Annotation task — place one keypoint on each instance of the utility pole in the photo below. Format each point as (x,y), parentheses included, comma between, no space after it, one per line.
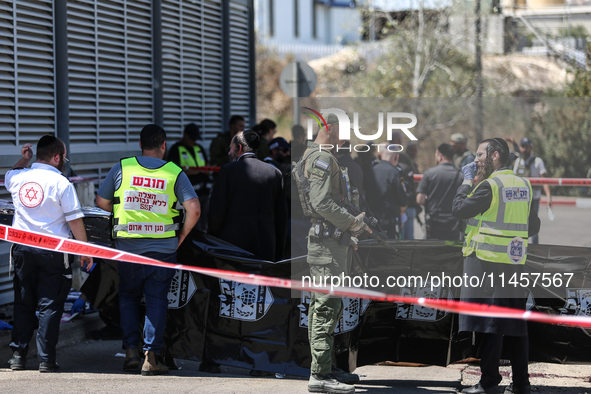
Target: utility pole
(478,67)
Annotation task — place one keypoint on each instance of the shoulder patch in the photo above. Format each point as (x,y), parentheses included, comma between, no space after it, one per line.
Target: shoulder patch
(321,164)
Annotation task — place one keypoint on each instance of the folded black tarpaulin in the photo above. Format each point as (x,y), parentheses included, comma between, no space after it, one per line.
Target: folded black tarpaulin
(265,329)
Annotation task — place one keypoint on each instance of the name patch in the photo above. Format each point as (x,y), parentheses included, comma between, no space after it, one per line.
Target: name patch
(145,228)
(134,200)
(148,182)
(515,194)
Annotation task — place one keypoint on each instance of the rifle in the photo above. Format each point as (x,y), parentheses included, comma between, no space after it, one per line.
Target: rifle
(377,233)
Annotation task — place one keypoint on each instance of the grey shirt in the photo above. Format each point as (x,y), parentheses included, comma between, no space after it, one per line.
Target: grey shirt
(182,189)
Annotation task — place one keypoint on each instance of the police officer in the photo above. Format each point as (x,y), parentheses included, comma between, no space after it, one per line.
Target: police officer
(322,186)
(142,193)
(499,218)
(189,153)
(44,201)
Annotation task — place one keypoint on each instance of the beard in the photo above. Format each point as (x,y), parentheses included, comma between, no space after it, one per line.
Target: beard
(60,165)
(486,170)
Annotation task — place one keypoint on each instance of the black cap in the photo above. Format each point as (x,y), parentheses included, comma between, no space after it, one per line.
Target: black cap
(525,142)
(193,131)
(278,142)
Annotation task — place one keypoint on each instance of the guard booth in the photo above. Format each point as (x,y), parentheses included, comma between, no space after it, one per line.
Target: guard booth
(94,72)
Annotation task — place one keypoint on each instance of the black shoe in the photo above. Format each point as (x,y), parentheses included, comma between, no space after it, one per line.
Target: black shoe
(170,363)
(260,374)
(478,389)
(17,362)
(210,367)
(48,367)
(518,390)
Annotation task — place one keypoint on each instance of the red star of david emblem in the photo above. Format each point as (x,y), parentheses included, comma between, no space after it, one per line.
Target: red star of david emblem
(31,194)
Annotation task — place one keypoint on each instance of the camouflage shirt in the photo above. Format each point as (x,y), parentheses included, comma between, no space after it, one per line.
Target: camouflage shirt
(328,186)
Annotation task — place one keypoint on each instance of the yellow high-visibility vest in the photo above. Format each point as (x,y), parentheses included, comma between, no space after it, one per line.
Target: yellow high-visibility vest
(500,234)
(143,206)
(186,160)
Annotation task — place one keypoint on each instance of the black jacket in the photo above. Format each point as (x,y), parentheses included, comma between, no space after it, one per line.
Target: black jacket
(248,208)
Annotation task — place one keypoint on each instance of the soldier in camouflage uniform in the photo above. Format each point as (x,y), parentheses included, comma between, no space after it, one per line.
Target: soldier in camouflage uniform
(323,186)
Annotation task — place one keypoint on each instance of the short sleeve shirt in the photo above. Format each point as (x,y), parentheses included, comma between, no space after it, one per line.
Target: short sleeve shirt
(44,200)
(537,170)
(435,183)
(182,189)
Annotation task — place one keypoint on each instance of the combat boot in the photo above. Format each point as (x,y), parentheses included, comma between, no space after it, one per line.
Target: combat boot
(344,377)
(132,359)
(152,366)
(328,384)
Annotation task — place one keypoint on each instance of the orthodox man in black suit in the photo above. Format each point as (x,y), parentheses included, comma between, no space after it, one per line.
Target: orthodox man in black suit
(247,206)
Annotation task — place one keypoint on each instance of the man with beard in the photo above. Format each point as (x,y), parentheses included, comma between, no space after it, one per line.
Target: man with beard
(322,185)
(500,218)
(46,202)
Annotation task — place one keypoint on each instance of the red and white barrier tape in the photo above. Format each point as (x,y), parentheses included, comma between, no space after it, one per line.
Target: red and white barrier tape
(544,181)
(59,244)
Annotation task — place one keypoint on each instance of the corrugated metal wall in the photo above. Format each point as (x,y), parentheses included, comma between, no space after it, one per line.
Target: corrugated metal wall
(111,76)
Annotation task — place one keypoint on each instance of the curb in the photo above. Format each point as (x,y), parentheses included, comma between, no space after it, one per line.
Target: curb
(70,333)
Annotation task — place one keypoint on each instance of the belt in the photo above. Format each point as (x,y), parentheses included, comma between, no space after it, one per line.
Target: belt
(324,229)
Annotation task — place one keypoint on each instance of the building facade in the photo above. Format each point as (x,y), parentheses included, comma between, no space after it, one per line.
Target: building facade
(94,72)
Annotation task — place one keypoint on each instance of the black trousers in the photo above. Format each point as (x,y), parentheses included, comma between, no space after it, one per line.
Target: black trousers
(42,281)
(492,345)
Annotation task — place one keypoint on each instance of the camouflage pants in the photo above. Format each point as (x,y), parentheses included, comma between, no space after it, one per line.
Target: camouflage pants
(326,259)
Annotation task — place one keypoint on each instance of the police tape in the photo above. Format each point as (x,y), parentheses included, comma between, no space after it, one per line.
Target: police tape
(65,245)
(542,181)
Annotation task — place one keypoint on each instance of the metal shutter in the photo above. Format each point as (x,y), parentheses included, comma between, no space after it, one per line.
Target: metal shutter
(192,66)
(212,69)
(27,82)
(239,61)
(110,72)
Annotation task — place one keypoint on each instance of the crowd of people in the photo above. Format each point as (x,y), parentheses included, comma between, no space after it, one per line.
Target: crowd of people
(157,198)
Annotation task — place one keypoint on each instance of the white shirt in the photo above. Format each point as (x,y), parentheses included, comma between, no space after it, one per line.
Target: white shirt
(537,170)
(44,200)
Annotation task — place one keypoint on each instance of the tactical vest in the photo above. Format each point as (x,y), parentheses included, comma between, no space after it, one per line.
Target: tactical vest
(500,234)
(523,168)
(187,160)
(341,185)
(143,206)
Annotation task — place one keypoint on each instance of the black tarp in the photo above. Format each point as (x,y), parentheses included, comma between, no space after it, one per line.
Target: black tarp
(265,329)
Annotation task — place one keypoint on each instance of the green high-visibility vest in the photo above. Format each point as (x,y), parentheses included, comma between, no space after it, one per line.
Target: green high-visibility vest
(187,160)
(500,234)
(143,206)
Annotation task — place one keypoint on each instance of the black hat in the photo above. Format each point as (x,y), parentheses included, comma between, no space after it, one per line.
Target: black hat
(278,142)
(193,131)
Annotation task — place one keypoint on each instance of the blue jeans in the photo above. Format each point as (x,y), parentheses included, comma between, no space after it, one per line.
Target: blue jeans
(536,207)
(135,281)
(408,229)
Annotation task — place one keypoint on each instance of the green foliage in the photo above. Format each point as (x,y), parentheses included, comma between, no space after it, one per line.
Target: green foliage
(391,75)
(573,31)
(562,137)
(581,84)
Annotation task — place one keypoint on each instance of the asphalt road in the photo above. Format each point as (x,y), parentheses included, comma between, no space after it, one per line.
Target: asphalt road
(92,367)
(570,227)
